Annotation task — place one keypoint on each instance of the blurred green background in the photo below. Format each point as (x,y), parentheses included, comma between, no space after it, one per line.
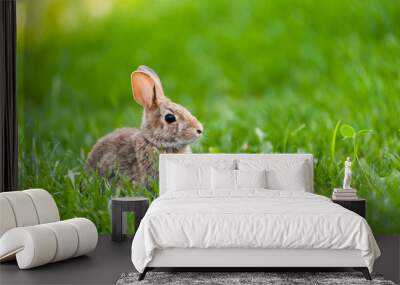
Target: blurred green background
(320,77)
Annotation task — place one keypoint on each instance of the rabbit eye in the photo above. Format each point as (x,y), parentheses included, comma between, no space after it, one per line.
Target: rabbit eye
(170,118)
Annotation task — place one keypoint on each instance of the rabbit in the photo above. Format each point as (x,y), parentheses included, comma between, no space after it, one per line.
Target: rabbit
(166,128)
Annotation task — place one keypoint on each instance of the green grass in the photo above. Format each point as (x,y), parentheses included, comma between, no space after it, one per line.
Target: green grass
(262,76)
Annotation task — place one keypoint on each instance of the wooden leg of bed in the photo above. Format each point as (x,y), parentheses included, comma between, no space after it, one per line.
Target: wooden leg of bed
(364,271)
(143,274)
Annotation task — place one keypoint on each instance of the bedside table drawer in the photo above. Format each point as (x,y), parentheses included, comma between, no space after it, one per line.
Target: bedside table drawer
(357,206)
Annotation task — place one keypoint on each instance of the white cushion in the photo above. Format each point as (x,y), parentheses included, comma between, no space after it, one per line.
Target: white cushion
(223,179)
(23,208)
(45,206)
(226,180)
(32,246)
(292,179)
(26,208)
(251,178)
(7,220)
(87,233)
(31,232)
(67,240)
(283,174)
(40,244)
(184,178)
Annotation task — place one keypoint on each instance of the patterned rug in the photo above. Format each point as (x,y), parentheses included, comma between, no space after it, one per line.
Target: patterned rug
(231,278)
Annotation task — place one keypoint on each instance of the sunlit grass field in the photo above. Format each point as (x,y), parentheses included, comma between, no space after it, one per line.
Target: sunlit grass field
(319,77)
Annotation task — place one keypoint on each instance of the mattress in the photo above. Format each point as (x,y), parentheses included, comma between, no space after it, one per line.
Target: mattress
(250,219)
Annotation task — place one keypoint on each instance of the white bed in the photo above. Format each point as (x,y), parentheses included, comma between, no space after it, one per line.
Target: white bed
(282,224)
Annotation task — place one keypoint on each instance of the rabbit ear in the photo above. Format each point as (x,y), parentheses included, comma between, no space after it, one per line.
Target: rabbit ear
(146,88)
(151,73)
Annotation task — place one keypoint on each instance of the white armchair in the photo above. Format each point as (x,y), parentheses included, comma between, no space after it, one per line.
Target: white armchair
(31,230)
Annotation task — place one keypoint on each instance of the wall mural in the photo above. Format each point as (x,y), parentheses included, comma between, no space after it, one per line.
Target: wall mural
(260,76)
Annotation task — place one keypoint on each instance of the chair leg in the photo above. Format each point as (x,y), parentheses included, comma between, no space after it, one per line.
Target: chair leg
(364,271)
(143,274)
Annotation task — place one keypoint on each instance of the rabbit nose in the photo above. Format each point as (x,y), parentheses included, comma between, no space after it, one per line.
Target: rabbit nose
(199,131)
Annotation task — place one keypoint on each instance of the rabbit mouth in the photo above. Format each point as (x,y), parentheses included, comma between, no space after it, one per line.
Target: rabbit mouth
(165,141)
(192,140)
(179,142)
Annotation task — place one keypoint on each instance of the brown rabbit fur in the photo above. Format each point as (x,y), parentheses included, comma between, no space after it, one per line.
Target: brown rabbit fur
(166,128)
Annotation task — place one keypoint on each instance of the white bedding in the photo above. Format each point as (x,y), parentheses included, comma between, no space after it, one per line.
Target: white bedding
(250,219)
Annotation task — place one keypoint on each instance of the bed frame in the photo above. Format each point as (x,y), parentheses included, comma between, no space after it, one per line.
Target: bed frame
(249,259)
(246,259)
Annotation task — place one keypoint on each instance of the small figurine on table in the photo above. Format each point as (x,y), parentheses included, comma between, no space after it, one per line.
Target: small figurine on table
(347,174)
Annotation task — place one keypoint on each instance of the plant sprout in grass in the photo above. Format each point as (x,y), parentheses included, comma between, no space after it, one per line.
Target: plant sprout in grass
(354,136)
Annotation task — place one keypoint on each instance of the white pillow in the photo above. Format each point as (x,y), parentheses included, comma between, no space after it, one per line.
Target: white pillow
(251,178)
(291,179)
(230,180)
(184,178)
(282,174)
(223,179)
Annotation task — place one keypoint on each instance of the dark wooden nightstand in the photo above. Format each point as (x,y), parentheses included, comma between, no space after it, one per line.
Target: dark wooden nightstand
(358,205)
(120,206)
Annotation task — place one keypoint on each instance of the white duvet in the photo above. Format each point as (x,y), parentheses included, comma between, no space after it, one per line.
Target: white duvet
(250,219)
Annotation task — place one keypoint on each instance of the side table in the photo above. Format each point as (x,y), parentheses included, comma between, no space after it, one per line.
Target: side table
(120,206)
(356,205)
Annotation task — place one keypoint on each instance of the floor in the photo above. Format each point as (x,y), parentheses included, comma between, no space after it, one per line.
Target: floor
(103,266)
(389,262)
(110,260)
